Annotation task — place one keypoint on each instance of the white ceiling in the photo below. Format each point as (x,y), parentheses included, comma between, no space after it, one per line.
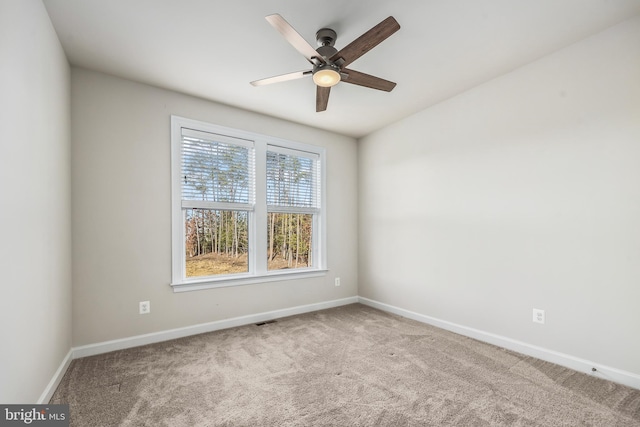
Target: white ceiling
(213,48)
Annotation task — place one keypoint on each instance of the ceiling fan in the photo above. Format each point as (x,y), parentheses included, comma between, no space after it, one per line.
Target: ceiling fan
(329,64)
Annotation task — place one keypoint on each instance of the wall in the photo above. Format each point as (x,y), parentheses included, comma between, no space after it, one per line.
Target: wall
(35,226)
(122,213)
(520,193)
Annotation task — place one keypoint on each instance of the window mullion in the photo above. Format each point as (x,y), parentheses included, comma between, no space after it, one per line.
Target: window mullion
(203,204)
(259,241)
(292,209)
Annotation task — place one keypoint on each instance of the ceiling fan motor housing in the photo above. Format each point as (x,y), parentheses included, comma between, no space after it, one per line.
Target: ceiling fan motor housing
(326,51)
(326,38)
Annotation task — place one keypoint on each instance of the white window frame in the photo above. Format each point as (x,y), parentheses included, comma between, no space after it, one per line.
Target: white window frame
(258,272)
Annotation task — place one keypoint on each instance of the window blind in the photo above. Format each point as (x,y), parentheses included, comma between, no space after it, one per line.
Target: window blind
(292,179)
(216,168)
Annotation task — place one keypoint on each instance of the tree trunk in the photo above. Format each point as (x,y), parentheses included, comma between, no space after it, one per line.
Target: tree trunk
(235,234)
(273,230)
(297,238)
(197,235)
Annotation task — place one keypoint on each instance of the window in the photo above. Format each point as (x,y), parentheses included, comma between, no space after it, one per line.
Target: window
(292,203)
(246,208)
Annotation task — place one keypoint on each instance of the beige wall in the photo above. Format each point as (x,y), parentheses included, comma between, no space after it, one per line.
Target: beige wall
(523,192)
(122,213)
(35,226)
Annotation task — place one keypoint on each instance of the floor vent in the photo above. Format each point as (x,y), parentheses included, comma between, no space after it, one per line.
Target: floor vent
(266,323)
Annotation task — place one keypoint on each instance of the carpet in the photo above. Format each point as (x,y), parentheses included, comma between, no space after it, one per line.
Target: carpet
(346,366)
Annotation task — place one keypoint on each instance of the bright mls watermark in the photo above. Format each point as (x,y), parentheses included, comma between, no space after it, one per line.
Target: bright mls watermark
(34,415)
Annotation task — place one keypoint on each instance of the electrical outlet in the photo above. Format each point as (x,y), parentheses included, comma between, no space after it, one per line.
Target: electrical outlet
(337,281)
(145,307)
(538,316)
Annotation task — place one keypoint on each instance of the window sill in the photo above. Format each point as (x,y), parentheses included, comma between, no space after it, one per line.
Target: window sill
(241,280)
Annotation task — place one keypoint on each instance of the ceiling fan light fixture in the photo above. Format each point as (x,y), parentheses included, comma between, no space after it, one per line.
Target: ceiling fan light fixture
(326,76)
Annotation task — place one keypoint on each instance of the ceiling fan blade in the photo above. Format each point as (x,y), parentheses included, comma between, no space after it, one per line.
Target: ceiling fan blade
(281,78)
(322,98)
(294,38)
(362,79)
(366,42)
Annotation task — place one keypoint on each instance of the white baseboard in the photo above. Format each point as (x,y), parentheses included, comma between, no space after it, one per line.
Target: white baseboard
(55,381)
(136,341)
(581,365)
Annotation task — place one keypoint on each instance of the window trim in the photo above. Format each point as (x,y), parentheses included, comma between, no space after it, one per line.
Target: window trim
(257,212)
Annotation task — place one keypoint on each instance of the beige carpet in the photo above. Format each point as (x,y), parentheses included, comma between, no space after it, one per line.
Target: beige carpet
(348,366)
